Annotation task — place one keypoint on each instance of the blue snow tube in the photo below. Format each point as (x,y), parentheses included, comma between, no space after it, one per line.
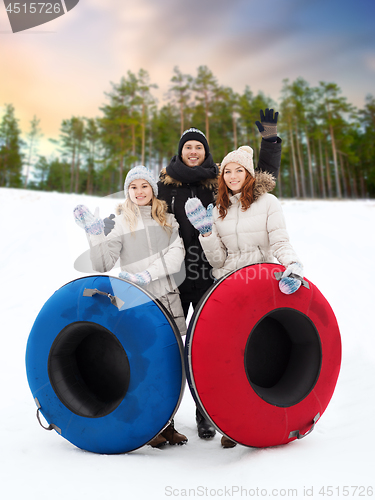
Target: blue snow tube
(104,363)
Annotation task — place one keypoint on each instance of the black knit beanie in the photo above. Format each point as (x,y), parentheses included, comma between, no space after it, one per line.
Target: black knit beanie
(193,134)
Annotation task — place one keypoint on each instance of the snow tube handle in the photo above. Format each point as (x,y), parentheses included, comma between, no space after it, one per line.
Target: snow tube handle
(298,435)
(51,426)
(89,292)
(305,283)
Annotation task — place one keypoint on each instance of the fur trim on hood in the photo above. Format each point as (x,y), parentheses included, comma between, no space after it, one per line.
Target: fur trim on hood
(264,183)
(168,180)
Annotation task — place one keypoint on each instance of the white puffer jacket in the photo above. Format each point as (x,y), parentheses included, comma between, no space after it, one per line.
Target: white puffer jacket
(249,237)
(149,248)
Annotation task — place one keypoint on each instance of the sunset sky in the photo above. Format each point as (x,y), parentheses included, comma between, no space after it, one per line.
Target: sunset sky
(64,67)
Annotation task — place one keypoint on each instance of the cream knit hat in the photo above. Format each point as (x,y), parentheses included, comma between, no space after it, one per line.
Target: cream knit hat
(140,172)
(243,156)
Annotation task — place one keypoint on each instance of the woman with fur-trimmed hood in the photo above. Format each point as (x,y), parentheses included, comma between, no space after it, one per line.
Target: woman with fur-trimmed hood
(246,226)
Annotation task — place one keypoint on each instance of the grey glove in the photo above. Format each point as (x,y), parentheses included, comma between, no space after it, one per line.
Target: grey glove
(268,125)
(109,224)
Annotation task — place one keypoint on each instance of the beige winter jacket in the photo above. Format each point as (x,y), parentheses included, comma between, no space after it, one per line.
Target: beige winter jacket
(248,237)
(149,248)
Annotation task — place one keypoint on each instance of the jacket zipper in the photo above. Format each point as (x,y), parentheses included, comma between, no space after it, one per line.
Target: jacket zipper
(238,246)
(174,192)
(261,253)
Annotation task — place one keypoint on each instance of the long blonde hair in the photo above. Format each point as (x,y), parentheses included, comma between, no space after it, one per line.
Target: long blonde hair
(131,213)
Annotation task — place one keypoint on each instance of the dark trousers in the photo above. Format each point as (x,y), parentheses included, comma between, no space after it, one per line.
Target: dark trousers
(186,305)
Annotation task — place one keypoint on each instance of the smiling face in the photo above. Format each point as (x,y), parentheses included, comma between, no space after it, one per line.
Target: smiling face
(234,176)
(140,192)
(193,153)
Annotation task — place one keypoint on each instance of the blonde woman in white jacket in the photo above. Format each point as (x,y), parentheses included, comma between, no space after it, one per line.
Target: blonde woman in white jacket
(146,240)
(247,225)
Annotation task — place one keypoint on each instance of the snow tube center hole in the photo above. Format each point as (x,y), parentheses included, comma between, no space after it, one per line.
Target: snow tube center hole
(283,357)
(88,369)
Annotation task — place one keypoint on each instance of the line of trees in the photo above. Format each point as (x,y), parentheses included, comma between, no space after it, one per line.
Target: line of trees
(328,144)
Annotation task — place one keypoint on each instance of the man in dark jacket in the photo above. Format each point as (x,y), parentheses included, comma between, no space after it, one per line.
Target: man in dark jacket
(193,173)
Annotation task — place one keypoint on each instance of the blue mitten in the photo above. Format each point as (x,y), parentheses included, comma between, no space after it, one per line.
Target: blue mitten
(143,278)
(89,222)
(291,278)
(198,216)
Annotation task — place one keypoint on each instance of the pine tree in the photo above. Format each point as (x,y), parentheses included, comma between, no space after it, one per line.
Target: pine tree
(72,139)
(33,136)
(166,132)
(206,88)
(332,107)
(92,137)
(10,149)
(302,95)
(41,173)
(223,123)
(288,112)
(146,101)
(248,115)
(181,92)
(364,144)
(121,116)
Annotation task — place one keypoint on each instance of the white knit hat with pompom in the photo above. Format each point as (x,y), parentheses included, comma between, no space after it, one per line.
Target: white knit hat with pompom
(243,156)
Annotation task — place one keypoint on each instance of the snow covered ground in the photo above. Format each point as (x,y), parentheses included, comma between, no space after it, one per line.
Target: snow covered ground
(39,244)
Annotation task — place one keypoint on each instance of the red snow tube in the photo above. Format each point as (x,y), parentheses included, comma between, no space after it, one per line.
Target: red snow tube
(261,365)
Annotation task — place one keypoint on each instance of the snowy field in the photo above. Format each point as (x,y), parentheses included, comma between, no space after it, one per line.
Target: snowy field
(336,243)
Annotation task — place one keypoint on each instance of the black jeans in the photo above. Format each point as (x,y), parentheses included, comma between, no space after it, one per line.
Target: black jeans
(186,305)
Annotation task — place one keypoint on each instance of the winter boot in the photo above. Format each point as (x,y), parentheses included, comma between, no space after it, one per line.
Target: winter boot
(158,441)
(227,443)
(172,436)
(205,429)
